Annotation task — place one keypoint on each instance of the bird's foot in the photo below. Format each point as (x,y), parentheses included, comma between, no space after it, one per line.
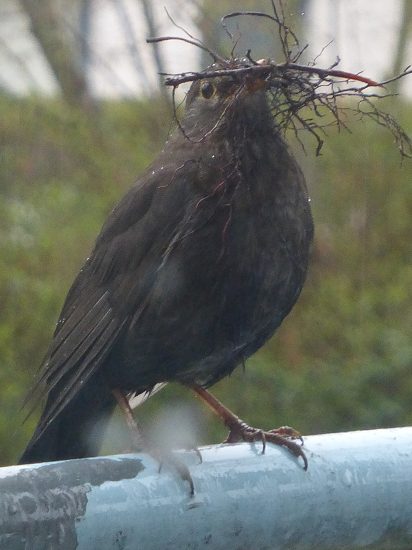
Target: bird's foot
(166,457)
(140,444)
(284,437)
(239,431)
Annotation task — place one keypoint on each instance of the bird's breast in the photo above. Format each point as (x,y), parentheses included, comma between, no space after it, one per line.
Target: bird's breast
(232,270)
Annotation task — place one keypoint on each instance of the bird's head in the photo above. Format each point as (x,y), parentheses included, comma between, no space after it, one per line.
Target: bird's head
(216,101)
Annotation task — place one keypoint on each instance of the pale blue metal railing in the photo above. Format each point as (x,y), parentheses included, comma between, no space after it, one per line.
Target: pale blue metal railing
(357,493)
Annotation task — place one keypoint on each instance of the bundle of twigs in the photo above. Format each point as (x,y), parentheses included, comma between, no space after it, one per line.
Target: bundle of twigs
(299,94)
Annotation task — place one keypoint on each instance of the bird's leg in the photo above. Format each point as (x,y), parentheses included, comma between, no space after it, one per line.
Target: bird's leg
(239,431)
(135,431)
(139,442)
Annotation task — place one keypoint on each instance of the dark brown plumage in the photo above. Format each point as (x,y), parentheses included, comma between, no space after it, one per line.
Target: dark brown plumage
(193,271)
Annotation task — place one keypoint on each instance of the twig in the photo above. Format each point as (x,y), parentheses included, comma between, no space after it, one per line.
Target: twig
(215,56)
(295,88)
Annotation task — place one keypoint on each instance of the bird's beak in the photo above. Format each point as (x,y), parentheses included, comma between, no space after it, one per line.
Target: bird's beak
(258,83)
(255,85)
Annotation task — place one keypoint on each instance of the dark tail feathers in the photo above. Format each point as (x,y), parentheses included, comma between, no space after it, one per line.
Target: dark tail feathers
(77,431)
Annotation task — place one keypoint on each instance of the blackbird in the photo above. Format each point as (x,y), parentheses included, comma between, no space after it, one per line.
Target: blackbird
(193,271)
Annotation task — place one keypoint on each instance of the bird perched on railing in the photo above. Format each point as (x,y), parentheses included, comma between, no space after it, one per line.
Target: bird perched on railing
(193,271)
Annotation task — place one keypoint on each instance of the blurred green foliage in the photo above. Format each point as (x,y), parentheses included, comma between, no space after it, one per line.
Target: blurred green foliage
(342,360)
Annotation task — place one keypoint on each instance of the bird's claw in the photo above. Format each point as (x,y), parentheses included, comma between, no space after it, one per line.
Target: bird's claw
(287,431)
(198,453)
(283,436)
(165,457)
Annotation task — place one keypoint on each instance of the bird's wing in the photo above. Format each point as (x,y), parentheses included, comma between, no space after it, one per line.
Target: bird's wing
(76,352)
(111,288)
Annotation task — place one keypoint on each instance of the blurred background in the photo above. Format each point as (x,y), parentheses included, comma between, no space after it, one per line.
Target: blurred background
(83,111)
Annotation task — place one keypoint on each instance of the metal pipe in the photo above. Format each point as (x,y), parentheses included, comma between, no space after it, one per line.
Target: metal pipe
(357,493)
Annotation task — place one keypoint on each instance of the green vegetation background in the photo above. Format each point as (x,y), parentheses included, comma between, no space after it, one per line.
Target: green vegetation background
(341,361)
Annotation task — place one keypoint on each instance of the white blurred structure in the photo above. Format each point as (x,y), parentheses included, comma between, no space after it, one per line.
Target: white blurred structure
(362,34)
(23,67)
(119,63)
(114,66)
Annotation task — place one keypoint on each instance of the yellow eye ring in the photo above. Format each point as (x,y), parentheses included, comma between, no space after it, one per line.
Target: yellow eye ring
(207,89)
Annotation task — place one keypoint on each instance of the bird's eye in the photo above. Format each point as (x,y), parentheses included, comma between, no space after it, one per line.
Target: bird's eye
(207,90)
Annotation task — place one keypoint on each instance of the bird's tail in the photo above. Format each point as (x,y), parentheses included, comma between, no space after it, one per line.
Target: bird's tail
(77,430)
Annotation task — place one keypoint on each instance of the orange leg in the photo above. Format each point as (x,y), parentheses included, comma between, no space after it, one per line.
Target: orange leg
(239,431)
(139,442)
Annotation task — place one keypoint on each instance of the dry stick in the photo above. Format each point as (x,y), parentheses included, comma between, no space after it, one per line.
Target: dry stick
(298,91)
(215,56)
(281,26)
(260,68)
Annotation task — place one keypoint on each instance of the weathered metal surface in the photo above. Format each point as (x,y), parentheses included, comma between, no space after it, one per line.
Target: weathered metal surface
(357,493)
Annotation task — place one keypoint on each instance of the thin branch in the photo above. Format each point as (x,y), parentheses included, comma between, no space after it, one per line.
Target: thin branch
(266,67)
(239,13)
(215,56)
(296,91)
